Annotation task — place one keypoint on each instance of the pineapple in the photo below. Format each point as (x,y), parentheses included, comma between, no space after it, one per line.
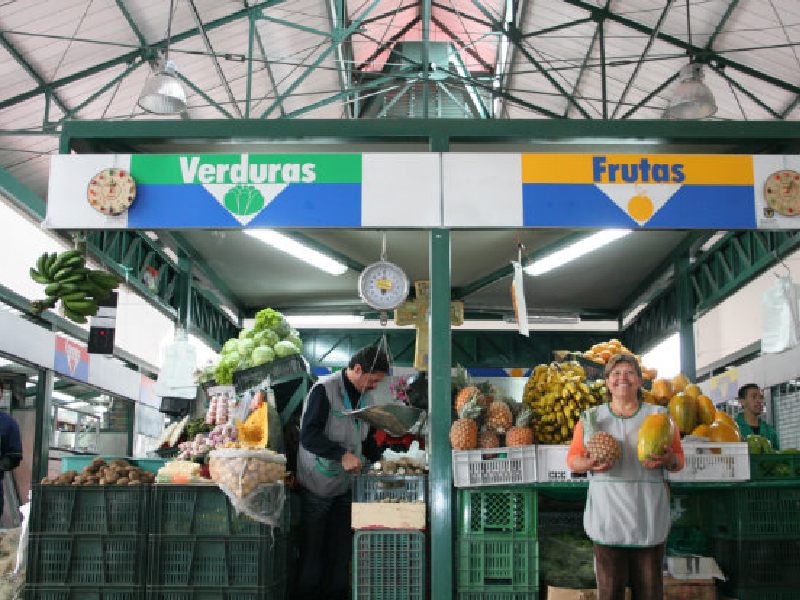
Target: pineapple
(488,439)
(488,391)
(601,445)
(498,417)
(464,432)
(466,394)
(521,434)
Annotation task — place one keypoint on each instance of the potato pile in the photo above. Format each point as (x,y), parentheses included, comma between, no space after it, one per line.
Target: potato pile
(401,466)
(98,472)
(240,471)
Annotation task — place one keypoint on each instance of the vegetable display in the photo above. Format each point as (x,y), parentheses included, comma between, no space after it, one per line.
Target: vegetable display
(271,338)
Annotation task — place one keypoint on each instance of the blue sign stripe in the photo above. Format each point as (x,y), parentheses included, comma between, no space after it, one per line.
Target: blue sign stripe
(708,207)
(313,205)
(570,205)
(177,205)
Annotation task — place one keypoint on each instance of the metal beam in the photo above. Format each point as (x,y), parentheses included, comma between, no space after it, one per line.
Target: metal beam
(745,91)
(338,37)
(22,196)
(268,67)
(464,16)
(336,18)
(33,73)
(584,67)
(129,56)
(644,53)
(516,38)
(555,28)
(383,47)
(426,37)
(462,44)
(205,96)
(207,42)
(108,85)
(603,91)
(721,24)
(131,23)
(701,53)
(651,95)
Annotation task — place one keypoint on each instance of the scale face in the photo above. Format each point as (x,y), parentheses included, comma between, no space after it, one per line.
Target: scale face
(383,285)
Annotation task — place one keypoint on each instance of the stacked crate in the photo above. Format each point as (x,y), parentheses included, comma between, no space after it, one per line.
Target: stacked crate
(389,563)
(87,542)
(497,552)
(200,549)
(756,541)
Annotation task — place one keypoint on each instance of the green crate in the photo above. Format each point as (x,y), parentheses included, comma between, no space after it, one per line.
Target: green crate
(527,595)
(76,560)
(497,563)
(96,509)
(217,561)
(389,564)
(757,513)
(78,462)
(774,467)
(762,594)
(759,564)
(35,592)
(199,510)
(275,592)
(497,510)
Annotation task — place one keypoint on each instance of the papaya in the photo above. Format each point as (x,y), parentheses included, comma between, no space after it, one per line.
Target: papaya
(683,410)
(701,431)
(679,383)
(662,389)
(721,417)
(648,397)
(720,432)
(705,410)
(693,390)
(655,434)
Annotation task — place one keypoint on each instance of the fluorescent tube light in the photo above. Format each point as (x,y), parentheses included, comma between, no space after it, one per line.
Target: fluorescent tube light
(299,321)
(298,250)
(546,319)
(79,404)
(576,250)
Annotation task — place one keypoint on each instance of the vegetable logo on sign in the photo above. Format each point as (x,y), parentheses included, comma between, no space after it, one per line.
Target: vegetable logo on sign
(243,200)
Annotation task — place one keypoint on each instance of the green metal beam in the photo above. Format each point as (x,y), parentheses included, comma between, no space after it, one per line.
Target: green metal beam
(337,37)
(461,15)
(650,96)
(251,35)
(425,13)
(462,44)
(721,24)
(43,427)
(390,13)
(268,67)
(129,56)
(745,91)
(103,89)
(205,96)
(603,88)
(686,317)
(584,67)
(131,23)
(336,19)
(700,53)
(384,46)
(704,133)
(555,28)
(463,291)
(644,53)
(28,68)
(515,36)
(22,196)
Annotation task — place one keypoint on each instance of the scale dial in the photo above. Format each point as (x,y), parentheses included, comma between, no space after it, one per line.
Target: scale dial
(111,191)
(383,285)
(782,192)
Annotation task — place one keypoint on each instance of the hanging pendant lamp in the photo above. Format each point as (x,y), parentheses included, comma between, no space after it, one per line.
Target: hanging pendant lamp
(163,92)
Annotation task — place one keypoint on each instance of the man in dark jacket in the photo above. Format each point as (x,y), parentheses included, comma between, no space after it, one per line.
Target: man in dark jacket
(10,448)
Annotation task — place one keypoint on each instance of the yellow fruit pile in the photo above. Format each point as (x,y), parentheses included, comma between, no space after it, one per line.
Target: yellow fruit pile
(602,353)
(557,393)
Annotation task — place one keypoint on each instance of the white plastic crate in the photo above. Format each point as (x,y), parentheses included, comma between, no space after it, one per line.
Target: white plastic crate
(551,465)
(714,461)
(494,466)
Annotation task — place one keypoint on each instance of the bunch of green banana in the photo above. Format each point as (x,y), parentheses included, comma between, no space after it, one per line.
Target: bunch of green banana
(68,279)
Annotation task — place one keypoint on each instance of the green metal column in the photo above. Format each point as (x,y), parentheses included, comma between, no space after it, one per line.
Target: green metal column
(185,293)
(131,412)
(683,286)
(441,471)
(41,441)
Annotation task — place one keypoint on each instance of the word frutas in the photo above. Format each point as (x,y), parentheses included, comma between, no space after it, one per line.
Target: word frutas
(643,172)
(243,172)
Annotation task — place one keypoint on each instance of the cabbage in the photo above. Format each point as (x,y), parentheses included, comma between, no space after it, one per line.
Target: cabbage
(231,345)
(230,359)
(267,319)
(246,347)
(266,338)
(247,333)
(285,348)
(261,355)
(295,339)
(282,328)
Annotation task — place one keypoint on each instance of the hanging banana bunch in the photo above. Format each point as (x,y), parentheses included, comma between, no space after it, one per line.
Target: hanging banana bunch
(69,280)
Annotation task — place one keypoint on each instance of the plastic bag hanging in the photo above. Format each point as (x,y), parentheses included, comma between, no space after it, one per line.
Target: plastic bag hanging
(176,379)
(779,316)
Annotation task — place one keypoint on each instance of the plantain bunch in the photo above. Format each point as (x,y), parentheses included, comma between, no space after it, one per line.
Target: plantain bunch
(70,281)
(557,393)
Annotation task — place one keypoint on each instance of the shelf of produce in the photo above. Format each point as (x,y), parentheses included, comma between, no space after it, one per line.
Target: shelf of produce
(775,467)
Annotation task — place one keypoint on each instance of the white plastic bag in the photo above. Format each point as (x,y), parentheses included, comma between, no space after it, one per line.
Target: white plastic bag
(22,547)
(779,316)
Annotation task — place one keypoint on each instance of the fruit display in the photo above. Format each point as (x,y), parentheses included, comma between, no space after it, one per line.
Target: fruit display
(464,432)
(98,472)
(402,466)
(240,467)
(521,434)
(683,410)
(758,444)
(201,445)
(601,445)
(70,281)
(557,393)
(655,434)
(602,353)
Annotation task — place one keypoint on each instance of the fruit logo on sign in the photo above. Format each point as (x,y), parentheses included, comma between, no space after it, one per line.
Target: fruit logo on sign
(73,356)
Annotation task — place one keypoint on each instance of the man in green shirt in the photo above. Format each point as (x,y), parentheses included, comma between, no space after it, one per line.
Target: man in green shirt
(749,420)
